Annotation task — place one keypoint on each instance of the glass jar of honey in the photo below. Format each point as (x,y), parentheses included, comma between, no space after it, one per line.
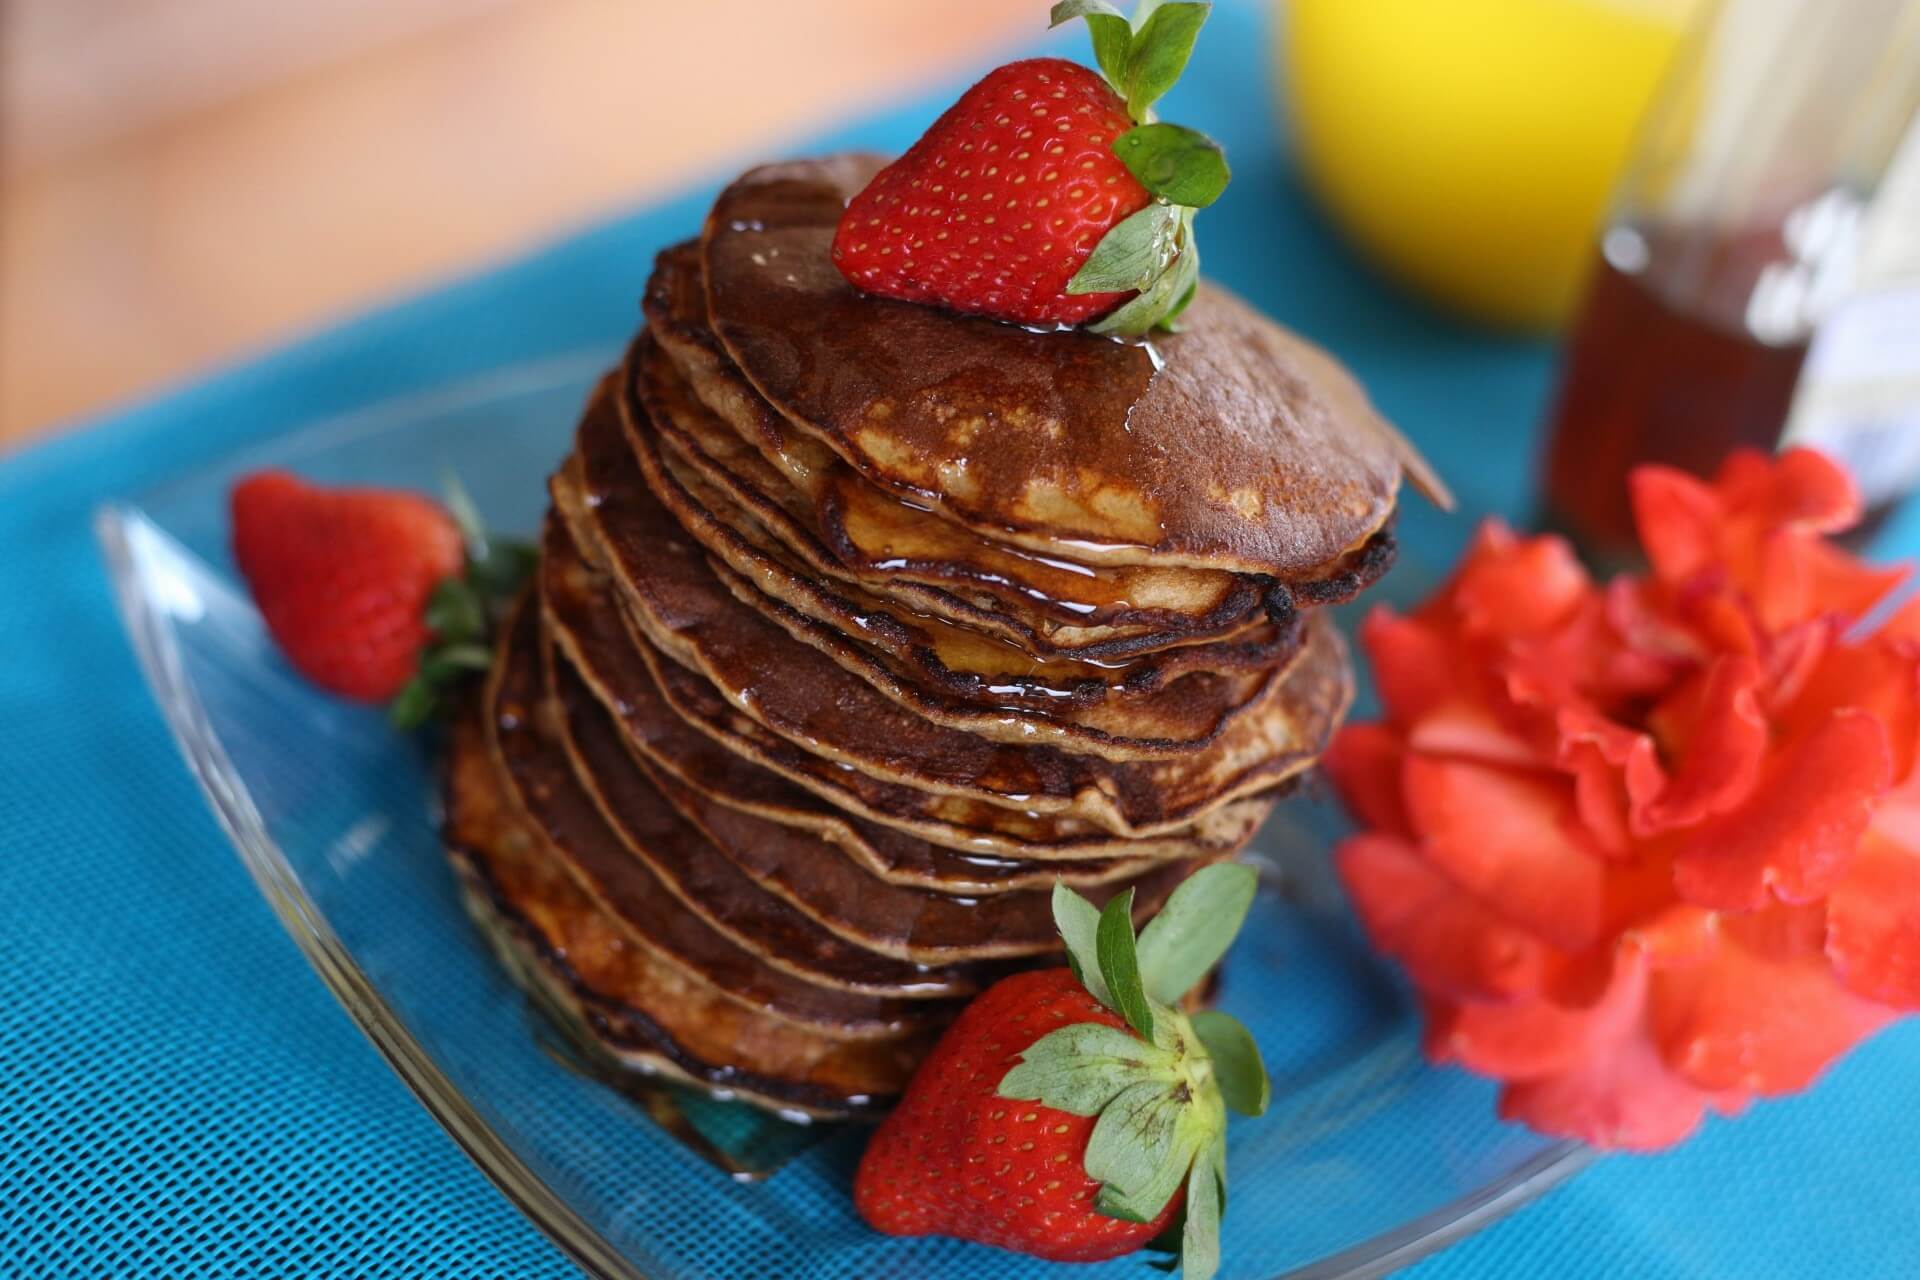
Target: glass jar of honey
(1761,262)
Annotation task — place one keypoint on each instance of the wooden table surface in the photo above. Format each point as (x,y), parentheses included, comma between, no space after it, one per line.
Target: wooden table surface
(183,184)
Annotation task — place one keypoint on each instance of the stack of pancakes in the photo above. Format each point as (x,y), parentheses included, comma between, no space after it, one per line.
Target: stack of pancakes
(859,624)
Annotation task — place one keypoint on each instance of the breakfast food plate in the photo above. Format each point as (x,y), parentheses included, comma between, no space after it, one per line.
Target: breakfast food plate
(1367,1158)
(909,691)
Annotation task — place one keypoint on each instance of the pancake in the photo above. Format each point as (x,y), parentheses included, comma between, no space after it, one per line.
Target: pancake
(848,529)
(815,878)
(958,838)
(592,640)
(705,461)
(1232,445)
(1183,714)
(654,872)
(679,606)
(858,626)
(647,1011)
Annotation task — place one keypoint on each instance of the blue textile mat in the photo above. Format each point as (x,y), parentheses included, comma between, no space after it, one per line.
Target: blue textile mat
(180,1096)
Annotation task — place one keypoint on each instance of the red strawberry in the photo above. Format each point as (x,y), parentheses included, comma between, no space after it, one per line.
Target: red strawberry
(1047,195)
(343,576)
(1075,1114)
(956,1158)
(997,207)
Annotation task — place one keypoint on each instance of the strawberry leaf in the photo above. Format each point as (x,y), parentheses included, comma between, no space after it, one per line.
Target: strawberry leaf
(465,514)
(1194,929)
(415,704)
(461,611)
(446,663)
(1112,34)
(1160,1099)
(1081,1068)
(1200,1238)
(502,569)
(1138,1144)
(1164,1167)
(1150,252)
(1179,165)
(1114,1204)
(1159,52)
(1079,923)
(1132,255)
(1237,1067)
(1171,321)
(1160,301)
(455,611)
(1120,964)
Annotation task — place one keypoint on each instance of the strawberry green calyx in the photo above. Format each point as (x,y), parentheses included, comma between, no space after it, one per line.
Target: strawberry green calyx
(1161,1088)
(1153,251)
(462,613)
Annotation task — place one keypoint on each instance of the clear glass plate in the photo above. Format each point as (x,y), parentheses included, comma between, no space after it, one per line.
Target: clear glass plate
(1368,1159)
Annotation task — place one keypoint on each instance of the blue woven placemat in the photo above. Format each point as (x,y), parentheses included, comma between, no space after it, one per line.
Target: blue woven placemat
(179,1096)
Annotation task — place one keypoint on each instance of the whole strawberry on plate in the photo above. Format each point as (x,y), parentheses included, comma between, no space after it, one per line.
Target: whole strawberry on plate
(1049,194)
(377,595)
(1078,1114)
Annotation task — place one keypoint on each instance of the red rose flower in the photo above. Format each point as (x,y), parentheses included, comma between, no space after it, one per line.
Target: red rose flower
(1650,846)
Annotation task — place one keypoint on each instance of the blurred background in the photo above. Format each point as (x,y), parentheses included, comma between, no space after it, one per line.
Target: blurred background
(1697,193)
(183,182)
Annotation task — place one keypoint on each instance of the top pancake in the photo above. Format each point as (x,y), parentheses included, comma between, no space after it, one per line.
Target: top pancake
(1230,445)
(853,530)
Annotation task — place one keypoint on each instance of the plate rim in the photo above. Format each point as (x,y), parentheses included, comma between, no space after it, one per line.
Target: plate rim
(157,653)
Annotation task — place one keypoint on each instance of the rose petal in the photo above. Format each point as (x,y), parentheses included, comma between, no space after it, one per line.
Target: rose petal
(1721,616)
(1448,942)
(1469,730)
(1509,588)
(1363,761)
(1528,1037)
(1622,1098)
(1799,577)
(1542,674)
(1797,488)
(1761,1014)
(1719,749)
(1897,817)
(1792,657)
(1873,924)
(1599,795)
(1802,825)
(1678,518)
(1513,840)
(1675,934)
(1881,677)
(1412,664)
(1658,644)
(1616,771)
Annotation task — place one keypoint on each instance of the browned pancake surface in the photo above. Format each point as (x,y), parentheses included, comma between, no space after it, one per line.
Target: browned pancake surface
(644,1007)
(906,923)
(807,698)
(657,873)
(1232,445)
(846,528)
(679,720)
(1175,715)
(717,491)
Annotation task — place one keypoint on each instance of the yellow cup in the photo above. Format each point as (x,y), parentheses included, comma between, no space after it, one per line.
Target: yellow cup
(1469,146)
